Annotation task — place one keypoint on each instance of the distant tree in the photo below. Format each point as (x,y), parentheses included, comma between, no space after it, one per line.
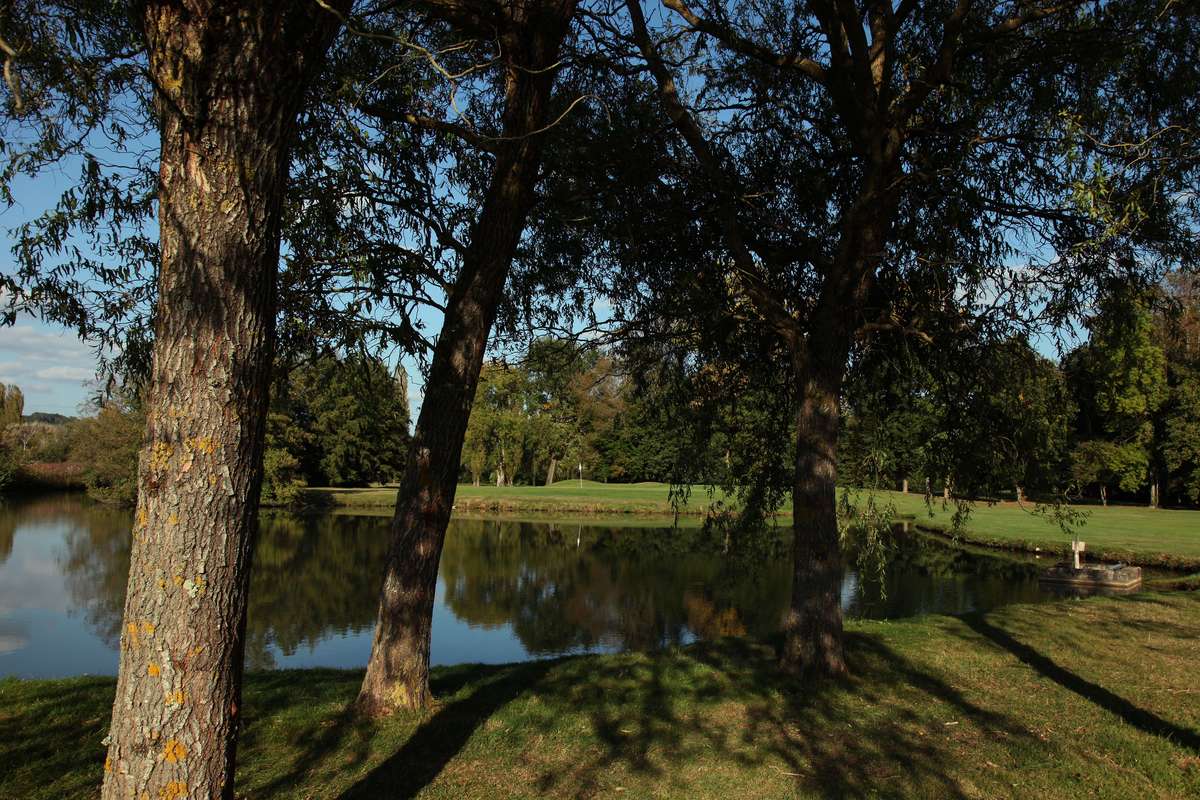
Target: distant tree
(1119,378)
(107,446)
(12,405)
(354,416)
(1102,463)
(1180,438)
(1178,428)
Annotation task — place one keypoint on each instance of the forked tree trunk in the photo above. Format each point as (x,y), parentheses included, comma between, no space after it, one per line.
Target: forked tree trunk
(812,628)
(550,471)
(230,78)
(398,670)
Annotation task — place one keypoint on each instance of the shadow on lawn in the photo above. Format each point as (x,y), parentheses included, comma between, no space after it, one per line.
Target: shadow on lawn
(1134,715)
(724,704)
(51,742)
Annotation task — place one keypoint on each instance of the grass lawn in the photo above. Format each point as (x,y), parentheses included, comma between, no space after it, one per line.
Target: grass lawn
(565,496)
(1075,699)
(1130,533)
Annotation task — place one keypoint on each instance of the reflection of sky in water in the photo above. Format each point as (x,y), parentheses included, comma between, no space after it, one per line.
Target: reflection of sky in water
(508,591)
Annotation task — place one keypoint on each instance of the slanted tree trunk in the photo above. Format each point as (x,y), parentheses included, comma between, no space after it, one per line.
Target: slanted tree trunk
(398,670)
(230,80)
(550,471)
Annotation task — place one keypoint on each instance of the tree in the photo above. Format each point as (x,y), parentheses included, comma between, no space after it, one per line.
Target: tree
(529,37)
(869,169)
(229,80)
(352,420)
(107,446)
(12,405)
(1120,378)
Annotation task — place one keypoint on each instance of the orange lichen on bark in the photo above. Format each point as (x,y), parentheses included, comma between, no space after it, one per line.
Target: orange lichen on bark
(152,670)
(175,698)
(174,751)
(160,456)
(173,791)
(201,444)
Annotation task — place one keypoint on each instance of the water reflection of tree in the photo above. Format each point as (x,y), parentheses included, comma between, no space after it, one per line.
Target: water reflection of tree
(560,588)
(635,589)
(314,577)
(924,575)
(16,511)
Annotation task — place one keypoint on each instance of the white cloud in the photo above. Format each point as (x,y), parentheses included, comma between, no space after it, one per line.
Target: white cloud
(66,373)
(50,365)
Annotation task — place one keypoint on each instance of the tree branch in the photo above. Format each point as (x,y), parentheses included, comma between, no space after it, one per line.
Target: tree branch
(740,44)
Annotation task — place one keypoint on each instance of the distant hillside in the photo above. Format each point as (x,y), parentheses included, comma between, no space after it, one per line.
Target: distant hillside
(49,419)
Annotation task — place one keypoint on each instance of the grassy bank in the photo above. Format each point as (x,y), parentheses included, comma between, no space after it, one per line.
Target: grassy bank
(1127,533)
(563,497)
(1137,534)
(1075,699)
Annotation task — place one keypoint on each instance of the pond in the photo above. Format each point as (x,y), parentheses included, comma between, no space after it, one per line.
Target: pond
(507,591)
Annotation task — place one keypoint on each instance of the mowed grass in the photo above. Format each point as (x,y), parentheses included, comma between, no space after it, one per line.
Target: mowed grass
(568,496)
(1131,533)
(1094,698)
(1136,533)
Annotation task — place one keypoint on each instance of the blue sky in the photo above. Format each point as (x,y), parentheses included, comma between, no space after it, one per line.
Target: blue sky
(49,363)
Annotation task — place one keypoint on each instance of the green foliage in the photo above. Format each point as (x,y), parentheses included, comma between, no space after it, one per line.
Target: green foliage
(9,463)
(12,405)
(562,407)
(1102,462)
(336,422)
(107,446)
(1181,433)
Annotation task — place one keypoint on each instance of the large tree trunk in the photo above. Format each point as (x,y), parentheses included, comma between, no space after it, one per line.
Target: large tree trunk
(550,471)
(398,670)
(230,79)
(812,628)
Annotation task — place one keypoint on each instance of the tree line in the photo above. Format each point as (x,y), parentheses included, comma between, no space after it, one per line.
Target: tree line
(1113,418)
(333,421)
(763,193)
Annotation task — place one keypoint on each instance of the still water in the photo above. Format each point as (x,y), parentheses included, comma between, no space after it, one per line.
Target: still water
(507,591)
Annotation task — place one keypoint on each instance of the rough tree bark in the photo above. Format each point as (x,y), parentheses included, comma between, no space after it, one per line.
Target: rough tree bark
(398,670)
(230,79)
(812,625)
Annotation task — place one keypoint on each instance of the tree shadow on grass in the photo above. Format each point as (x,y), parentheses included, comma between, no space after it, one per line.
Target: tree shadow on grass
(1134,715)
(720,707)
(419,761)
(726,706)
(51,739)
